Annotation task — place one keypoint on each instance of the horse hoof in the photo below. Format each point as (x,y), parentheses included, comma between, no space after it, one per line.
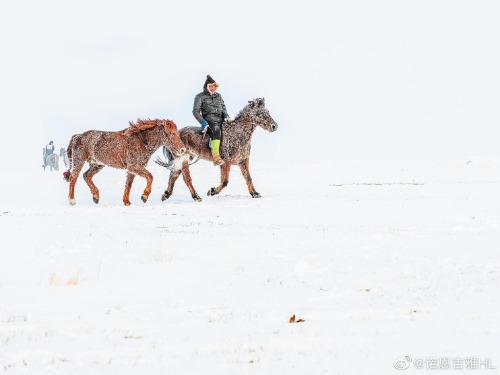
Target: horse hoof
(72,202)
(95,199)
(197,198)
(126,203)
(256,195)
(165,196)
(211,192)
(144,198)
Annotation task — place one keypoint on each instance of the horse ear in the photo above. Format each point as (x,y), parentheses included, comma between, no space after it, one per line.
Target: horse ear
(261,102)
(252,103)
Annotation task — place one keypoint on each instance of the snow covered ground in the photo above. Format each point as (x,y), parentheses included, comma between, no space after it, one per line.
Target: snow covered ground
(381,260)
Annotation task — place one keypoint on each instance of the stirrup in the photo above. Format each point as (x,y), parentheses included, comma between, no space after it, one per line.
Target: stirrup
(217,160)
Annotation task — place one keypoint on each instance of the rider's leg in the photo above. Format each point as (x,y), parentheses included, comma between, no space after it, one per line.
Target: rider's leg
(215,134)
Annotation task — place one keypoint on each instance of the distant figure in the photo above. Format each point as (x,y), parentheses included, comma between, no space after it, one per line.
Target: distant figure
(63,154)
(49,158)
(49,149)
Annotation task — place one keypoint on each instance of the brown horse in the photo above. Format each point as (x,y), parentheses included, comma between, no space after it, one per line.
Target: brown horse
(235,149)
(128,149)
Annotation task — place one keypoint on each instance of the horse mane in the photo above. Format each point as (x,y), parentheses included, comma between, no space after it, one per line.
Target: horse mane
(143,124)
(241,113)
(251,104)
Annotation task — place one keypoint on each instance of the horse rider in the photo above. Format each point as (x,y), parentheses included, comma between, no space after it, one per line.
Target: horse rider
(49,149)
(210,111)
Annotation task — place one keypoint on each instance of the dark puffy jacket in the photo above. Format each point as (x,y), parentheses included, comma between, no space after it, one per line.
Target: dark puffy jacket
(210,108)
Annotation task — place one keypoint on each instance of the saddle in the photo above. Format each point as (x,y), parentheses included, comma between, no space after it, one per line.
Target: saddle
(207,141)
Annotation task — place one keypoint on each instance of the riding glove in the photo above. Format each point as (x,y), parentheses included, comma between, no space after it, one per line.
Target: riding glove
(204,126)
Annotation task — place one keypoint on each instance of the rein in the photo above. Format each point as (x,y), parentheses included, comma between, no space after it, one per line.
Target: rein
(202,139)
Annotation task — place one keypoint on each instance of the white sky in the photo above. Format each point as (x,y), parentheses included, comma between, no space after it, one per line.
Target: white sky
(343,79)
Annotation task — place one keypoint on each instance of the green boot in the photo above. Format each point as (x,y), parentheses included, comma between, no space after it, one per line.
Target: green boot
(215,152)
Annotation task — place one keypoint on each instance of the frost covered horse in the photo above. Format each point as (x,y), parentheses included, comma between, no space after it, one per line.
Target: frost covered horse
(51,160)
(235,149)
(128,149)
(64,155)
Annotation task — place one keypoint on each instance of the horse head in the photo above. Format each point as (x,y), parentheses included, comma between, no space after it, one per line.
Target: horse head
(172,140)
(260,116)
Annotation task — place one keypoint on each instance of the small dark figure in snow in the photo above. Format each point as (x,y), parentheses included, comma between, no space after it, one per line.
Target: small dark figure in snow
(49,158)
(210,111)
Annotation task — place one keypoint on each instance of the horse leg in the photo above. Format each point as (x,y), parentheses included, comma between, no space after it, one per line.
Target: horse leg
(94,168)
(143,172)
(174,174)
(186,175)
(72,182)
(128,186)
(224,179)
(245,171)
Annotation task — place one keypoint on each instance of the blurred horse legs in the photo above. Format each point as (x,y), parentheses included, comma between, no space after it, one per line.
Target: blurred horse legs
(174,175)
(245,171)
(186,176)
(143,172)
(224,179)
(94,168)
(128,186)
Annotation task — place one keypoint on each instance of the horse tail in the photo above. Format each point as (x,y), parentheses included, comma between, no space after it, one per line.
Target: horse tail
(169,159)
(69,151)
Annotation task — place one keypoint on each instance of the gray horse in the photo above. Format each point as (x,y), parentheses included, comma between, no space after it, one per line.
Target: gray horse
(64,155)
(51,160)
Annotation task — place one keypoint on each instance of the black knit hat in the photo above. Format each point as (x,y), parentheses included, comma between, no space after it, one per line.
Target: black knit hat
(209,81)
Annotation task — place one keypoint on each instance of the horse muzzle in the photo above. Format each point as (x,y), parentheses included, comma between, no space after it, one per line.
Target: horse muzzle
(274,127)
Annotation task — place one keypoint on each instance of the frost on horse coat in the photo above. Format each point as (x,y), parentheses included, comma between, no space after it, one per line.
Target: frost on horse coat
(128,149)
(235,148)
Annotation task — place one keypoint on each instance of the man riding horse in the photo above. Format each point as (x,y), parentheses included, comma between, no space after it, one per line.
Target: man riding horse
(210,111)
(49,157)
